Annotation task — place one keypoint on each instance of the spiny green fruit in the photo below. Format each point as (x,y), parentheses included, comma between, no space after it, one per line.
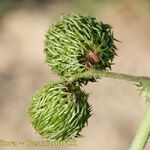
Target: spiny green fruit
(79,43)
(145,91)
(59,112)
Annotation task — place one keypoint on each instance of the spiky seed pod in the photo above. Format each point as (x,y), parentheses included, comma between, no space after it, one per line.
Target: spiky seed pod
(59,113)
(145,91)
(78,43)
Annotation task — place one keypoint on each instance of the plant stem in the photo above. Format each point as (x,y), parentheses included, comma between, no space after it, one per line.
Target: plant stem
(94,73)
(143,133)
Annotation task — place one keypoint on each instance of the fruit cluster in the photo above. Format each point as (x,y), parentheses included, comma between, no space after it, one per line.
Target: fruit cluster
(59,111)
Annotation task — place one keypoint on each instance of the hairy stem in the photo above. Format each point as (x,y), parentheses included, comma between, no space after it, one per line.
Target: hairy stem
(143,133)
(98,74)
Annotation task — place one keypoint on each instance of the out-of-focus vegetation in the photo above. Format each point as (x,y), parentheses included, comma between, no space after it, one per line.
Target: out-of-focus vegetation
(90,6)
(90,3)
(7,5)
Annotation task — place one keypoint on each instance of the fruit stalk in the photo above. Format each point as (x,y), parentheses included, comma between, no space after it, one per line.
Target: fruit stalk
(114,75)
(143,133)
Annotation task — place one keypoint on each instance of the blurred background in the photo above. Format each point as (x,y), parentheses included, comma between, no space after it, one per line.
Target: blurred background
(117,107)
